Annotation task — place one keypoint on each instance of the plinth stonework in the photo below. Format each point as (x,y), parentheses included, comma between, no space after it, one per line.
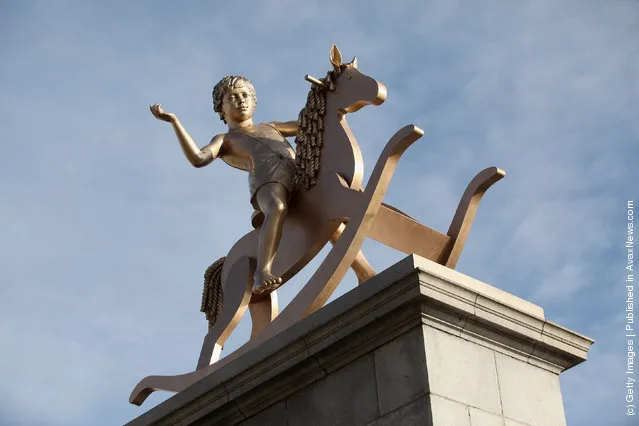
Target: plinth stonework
(419,344)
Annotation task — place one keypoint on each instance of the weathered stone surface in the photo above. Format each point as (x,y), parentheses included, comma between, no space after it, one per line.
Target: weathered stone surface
(415,413)
(448,412)
(287,383)
(450,275)
(400,371)
(418,344)
(461,371)
(508,318)
(378,331)
(228,414)
(275,415)
(214,404)
(459,298)
(346,397)
(511,422)
(529,394)
(483,418)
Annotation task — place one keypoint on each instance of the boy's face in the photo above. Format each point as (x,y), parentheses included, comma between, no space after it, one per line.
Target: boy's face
(238,105)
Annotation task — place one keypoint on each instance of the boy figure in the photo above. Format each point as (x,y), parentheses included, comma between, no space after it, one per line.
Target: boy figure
(262,150)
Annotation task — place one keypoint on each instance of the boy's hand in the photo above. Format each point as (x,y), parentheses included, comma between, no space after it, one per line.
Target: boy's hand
(159,113)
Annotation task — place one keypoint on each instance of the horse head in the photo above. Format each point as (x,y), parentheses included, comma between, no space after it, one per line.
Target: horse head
(353,89)
(349,89)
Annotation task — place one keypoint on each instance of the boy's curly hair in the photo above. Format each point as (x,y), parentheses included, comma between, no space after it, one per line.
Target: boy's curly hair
(227,83)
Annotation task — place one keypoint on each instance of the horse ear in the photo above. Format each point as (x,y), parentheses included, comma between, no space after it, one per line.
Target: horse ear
(335,57)
(354,62)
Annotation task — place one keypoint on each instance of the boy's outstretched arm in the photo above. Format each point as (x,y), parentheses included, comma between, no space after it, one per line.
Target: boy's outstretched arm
(286,128)
(196,157)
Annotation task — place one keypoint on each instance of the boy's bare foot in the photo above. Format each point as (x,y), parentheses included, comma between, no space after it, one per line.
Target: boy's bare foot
(264,282)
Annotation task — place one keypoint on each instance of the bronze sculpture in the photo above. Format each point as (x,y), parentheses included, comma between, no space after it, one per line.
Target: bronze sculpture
(263,151)
(330,205)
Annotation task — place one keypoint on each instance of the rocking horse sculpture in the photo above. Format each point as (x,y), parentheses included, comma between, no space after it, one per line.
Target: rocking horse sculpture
(330,204)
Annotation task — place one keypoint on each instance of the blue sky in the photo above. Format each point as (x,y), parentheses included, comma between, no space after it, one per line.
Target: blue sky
(106,230)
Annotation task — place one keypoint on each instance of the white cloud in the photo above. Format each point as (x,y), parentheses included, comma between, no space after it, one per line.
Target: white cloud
(562,284)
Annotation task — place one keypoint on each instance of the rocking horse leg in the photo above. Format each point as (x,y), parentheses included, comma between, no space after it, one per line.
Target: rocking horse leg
(363,270)
(263,312)
(465,214)
(237,294)
(324,281)
(238,288)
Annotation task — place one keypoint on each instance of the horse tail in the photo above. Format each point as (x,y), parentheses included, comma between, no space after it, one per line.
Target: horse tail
(212,295)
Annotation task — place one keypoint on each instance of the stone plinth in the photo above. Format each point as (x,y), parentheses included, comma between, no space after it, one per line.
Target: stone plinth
(419,344)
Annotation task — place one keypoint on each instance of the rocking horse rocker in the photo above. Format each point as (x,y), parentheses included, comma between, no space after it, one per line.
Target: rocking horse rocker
(330,205)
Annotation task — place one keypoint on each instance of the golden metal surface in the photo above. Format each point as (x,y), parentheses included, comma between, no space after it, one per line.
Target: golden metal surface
(259,149)
(335,208)
(316,82)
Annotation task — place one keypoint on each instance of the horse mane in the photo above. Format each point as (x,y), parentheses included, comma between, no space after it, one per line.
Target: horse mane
(310,131)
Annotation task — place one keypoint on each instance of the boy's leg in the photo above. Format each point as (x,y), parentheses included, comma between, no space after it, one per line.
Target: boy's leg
(272,200)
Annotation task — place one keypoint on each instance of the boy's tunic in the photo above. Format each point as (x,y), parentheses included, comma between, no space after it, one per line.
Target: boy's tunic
(273,160)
